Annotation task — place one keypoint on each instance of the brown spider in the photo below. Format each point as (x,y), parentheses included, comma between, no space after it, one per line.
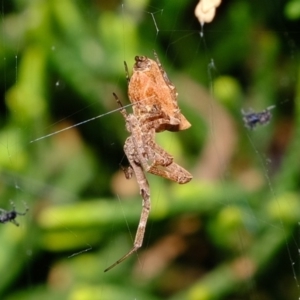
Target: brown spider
(153,112)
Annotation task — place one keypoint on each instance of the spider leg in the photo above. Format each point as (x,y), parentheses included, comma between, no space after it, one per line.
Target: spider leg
(126,72)
(20,213)
(172,172)
(155,153)
(23,213)
(129,149)
(161,161)
(15,222)
(163,72)
(128,171)
(146,150)
(123,110)
(158,119)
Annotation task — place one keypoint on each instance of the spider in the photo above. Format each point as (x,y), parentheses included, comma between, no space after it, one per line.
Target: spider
(252,119)
(155,109)
(142,152)
(10,215)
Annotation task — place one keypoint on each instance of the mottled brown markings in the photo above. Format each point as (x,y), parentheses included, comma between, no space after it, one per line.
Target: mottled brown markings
(155,109)
(150,86)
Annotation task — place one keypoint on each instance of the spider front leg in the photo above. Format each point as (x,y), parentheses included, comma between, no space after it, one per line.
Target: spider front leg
(132,157)
(172,172)
(162,165)
(153,152)
(156,160)
(156,118)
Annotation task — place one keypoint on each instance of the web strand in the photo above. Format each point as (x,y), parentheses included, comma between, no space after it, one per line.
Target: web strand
(80,123)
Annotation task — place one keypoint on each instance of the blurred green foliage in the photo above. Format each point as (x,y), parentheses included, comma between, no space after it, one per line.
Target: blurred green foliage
(230,232)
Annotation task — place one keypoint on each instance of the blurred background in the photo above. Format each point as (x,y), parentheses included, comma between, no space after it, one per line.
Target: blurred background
(231,233)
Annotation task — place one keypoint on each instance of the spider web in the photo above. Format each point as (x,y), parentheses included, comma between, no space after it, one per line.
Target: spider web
(232,231)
